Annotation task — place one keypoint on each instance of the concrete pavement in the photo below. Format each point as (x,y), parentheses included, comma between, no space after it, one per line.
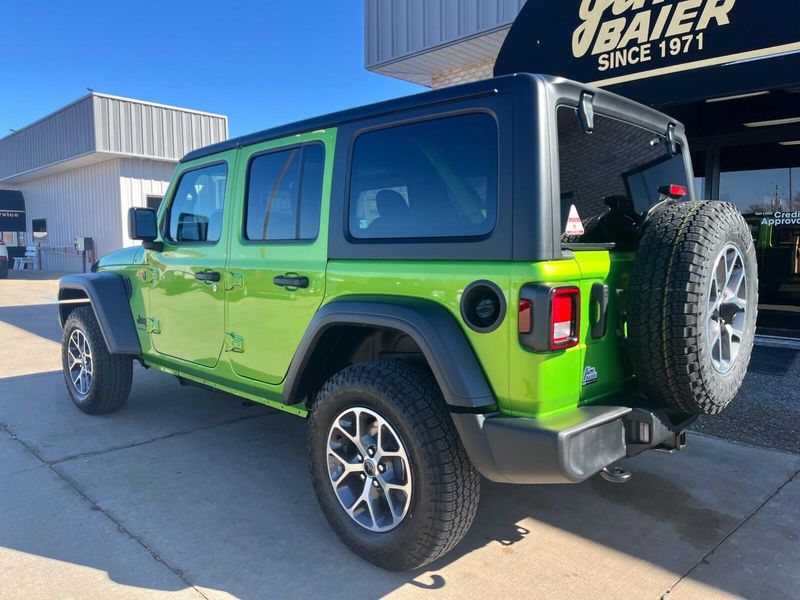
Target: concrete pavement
(190,493)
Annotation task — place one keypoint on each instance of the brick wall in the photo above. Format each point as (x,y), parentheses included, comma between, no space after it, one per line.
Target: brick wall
(473,72)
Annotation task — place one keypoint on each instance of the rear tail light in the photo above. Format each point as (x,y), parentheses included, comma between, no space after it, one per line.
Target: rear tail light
(564,318)
(549,317)
(525,321)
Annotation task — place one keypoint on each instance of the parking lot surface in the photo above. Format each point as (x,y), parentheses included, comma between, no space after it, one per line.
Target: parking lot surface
(190,493)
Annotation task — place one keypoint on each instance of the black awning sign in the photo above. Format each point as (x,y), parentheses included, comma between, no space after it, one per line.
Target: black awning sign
(12,211)
(608,42)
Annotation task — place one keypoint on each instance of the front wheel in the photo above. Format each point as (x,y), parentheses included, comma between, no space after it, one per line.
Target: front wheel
(98,382)
(387,465)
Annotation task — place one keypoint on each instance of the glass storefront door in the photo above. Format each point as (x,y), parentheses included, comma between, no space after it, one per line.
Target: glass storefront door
(770,201)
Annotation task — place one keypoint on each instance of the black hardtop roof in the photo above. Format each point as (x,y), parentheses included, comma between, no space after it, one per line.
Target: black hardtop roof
(496,85)
(440,96)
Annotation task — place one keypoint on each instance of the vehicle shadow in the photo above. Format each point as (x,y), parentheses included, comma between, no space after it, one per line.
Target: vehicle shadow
(224,500)
(40,320)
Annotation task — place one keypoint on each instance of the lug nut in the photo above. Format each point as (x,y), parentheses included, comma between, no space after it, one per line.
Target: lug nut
(381,468)
(363,477)
(375,483)
(371,450)
(360,458)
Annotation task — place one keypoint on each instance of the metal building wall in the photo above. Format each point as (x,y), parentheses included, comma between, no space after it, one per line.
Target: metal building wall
(65,134)
(394,29)
(91,201)
(99,124)
(124,126)
(139,178)
(84,201)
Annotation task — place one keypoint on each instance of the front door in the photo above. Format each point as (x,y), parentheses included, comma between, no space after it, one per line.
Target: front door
(186,316)
(278,253)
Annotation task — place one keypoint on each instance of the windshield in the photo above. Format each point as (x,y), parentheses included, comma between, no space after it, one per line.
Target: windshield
(610,177)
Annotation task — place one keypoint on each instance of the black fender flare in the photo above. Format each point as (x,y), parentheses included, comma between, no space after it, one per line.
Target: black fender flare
(430,325)
(109,296)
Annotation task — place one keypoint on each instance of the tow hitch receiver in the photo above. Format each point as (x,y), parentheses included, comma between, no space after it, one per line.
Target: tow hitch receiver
(673,443)
(646,430)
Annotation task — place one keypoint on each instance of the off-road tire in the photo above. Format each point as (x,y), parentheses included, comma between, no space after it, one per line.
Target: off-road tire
(668,306)
(446,487)
(112,373)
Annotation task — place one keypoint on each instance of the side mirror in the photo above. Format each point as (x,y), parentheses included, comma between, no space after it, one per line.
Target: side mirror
(142,225)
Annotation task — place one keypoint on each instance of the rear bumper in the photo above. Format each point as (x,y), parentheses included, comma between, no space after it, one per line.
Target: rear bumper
(567,448)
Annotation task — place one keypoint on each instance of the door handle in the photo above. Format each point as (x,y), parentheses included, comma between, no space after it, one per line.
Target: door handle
(212,276)
(293,281)
(600,297)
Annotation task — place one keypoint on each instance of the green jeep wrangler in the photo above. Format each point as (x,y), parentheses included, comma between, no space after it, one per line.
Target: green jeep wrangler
(509,278)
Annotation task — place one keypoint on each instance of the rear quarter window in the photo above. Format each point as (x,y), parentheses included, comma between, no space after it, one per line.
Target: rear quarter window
(430,179)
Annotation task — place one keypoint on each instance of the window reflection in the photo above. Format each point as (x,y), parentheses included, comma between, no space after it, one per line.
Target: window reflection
(761,191)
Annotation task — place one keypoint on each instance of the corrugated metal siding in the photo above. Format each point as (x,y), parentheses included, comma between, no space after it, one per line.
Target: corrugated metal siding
(394,29)
(91,201)
(109,124)
(128,127)
(139,179)
(63,135)
(79,202)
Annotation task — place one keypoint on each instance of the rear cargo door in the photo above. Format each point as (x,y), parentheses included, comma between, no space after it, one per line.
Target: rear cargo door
(609,179)
(604,281)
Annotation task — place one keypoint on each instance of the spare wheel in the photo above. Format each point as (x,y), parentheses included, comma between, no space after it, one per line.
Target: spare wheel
(692,306)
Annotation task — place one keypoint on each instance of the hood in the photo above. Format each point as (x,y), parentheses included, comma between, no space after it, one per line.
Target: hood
(123,256)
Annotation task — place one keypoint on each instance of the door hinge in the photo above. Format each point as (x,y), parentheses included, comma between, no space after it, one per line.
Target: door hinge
(149,275)
(153,325)
(234,342)
(234,280)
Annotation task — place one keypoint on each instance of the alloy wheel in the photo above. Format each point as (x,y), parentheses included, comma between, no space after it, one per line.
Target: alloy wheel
(369,469)
(81,365)
(727,308)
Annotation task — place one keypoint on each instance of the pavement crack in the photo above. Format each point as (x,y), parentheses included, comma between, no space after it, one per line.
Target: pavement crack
(96,507)
(159,438)
(707,555)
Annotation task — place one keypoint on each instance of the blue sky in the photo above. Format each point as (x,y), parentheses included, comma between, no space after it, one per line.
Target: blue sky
(261,63)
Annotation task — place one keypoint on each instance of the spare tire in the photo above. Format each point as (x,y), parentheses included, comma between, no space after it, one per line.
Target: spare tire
(692,306)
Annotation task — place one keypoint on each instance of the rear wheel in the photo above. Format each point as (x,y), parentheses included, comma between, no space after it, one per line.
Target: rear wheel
(387,465)
(693,306)
(98,382)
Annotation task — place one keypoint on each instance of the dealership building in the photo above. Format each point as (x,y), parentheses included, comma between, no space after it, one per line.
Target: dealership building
(728,69)
(74,173)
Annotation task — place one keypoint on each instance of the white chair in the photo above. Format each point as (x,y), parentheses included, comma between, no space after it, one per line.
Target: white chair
(28,261)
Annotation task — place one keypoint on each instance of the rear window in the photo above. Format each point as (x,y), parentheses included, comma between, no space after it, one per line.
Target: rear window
(430,179)
(284,192)
(612,175)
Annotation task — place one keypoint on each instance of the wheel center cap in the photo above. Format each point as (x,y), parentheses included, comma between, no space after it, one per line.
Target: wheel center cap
(369,467)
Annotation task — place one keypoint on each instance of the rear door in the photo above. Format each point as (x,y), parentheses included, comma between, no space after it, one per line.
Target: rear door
(279,242)
(609,179)
(186,317)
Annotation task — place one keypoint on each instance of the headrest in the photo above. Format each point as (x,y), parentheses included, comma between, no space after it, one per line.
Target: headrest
(391,203)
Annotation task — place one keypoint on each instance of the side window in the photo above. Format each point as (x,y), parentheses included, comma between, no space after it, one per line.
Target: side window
(430,179)
(197,207)
(284,193)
